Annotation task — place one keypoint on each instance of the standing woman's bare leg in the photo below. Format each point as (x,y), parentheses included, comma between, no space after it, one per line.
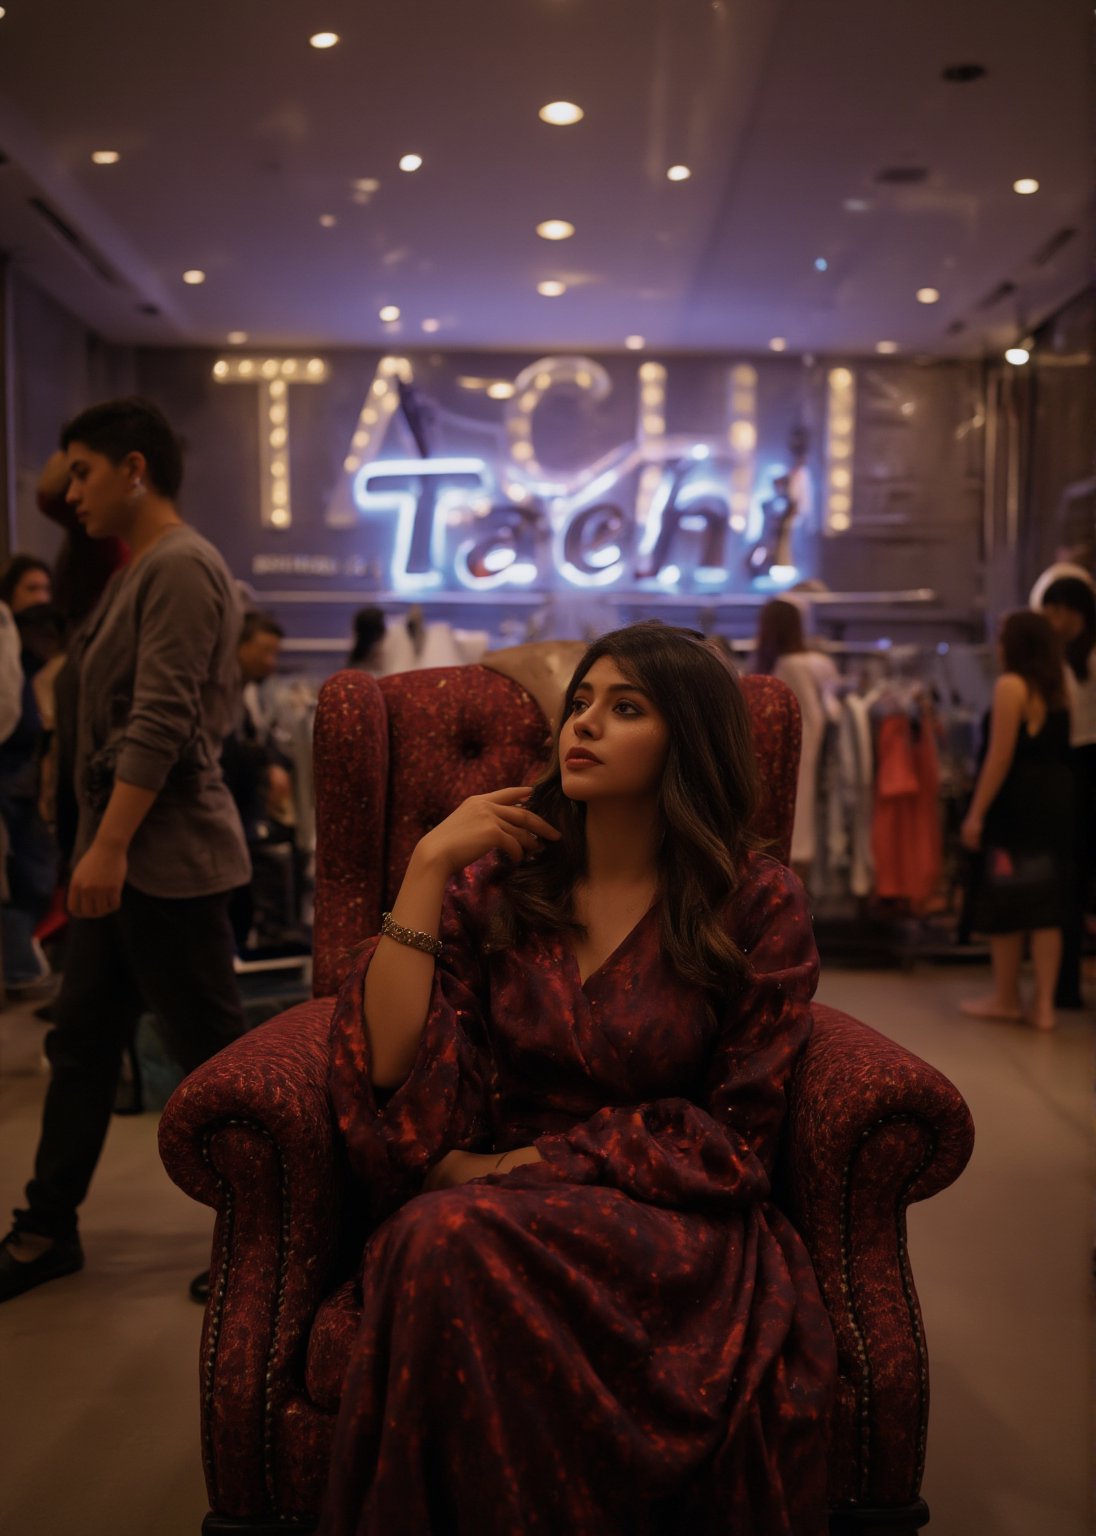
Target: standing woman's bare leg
(1046,958)
(1006,952)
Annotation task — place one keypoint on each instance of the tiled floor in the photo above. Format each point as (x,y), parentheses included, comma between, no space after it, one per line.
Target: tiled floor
(98,1412)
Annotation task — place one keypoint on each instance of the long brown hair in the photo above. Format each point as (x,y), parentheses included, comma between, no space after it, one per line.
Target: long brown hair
(1032,650)
(706,801)
(779,633)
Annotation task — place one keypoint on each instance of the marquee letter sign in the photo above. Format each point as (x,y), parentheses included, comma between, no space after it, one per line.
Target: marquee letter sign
(664,510)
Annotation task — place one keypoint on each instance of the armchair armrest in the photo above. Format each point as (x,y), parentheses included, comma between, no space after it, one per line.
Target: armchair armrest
(871,1128)
(250,1133)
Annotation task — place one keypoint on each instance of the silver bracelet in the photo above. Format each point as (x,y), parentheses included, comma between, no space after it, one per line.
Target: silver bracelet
(414,939)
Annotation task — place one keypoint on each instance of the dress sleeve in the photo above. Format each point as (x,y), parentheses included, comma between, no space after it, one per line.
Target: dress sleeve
(717,1153)
(393,1137)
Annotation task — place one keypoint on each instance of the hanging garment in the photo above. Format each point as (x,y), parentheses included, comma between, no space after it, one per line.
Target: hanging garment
(907,840)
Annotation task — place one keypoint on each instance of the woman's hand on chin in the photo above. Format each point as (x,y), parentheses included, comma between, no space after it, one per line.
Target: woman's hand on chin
(482,823)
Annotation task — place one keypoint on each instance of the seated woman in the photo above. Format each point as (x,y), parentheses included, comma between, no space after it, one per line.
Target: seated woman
(561,1073)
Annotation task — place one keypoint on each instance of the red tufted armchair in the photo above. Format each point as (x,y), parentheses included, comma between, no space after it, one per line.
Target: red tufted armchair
(870,1128)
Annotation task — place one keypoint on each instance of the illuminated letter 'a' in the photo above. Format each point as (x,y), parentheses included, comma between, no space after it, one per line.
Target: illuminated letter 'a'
(382,401)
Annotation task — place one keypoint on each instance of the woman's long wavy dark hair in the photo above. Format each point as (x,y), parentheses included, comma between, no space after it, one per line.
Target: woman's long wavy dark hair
(1031,649)
(1076,595)
(706,798)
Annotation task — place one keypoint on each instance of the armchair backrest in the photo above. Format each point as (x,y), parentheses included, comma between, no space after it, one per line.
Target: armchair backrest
(394,756)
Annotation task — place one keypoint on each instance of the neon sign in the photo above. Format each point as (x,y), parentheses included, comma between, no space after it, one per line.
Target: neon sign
(664,510)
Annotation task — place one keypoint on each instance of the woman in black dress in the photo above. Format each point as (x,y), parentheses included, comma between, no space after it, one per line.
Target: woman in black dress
(1022,817)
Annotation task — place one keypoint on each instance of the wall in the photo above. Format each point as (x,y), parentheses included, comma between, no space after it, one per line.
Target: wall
(922,514)
(1060,485)
(59,367)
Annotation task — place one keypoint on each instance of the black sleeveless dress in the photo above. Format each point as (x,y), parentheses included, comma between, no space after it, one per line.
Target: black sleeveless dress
(1029,832)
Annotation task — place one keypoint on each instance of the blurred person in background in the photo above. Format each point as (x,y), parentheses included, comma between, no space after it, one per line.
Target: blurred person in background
(26,582)
(159,844)
(1022,818)
(367,654)
(382,647)
(32,865)
(781,650)
(259,775)
(256,771)
(1069,603)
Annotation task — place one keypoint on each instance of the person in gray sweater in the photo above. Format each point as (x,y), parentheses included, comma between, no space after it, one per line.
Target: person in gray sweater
(159,845)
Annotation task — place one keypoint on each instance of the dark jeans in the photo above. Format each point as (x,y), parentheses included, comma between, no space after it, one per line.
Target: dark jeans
(173,957)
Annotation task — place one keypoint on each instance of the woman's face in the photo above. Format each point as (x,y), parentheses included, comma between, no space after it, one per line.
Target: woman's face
(1066,623)
(614,742)
(101,493)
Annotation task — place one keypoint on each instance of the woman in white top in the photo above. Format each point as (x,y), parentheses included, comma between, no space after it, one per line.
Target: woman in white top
(1069,602)
(782,651)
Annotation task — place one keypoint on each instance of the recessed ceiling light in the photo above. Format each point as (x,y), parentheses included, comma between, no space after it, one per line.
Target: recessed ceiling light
(390,313)
(194,277)
(368,184)
(1025,186)
(963,74)
(856,205)
(886,347)
(3,13)
(430,326)
(903,175)
(236,338)
(821,264)
(561,113)
(634,343)
(555,229)
(928,295)
(328,221)
(324,39)
(501,389)
(104,156)
(1017,356)
(551,289)
(410,162)
(778,344)
(678,173)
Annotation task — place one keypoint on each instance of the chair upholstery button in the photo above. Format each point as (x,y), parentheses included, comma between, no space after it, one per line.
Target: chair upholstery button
(472,749)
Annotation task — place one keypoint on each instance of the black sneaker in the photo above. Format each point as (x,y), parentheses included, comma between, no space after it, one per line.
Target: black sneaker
(63,1257)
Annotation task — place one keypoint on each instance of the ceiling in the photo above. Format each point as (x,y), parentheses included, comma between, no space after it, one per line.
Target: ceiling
(235,137)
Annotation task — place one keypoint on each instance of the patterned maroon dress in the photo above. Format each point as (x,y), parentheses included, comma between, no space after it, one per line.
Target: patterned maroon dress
(625,1339)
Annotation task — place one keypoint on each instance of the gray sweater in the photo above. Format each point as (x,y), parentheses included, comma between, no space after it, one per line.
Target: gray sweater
(159,687)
